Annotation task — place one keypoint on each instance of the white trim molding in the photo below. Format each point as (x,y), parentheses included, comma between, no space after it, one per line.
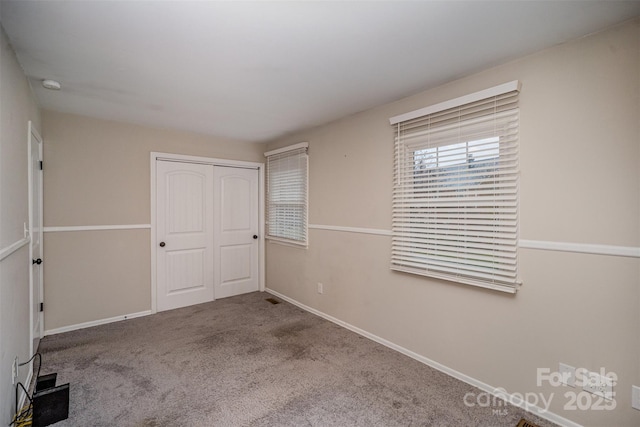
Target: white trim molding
(497,392)
(96,322)
(376,231)
(169,157)
(584,248)
(23,395)
(5,252)
(97,227)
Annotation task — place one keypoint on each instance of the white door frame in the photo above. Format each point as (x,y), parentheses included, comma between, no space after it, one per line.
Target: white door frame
(35,288)
(155,156)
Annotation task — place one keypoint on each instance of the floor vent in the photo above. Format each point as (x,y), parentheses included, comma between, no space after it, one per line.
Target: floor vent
(275,301)
(525,423)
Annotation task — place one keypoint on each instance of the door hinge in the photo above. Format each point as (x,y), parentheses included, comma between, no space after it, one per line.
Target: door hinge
(41,165)
(41,306)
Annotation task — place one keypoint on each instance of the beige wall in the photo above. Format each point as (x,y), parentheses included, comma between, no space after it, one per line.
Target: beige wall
(17,108)
(580,183)
(98,173)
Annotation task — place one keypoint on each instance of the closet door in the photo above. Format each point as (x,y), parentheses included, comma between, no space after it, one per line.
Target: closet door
(236,228)
(184,233)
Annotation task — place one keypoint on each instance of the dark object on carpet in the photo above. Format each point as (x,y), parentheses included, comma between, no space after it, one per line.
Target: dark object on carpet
(272,300)
(46,381)
(240,362)
(50,402)
(525,423)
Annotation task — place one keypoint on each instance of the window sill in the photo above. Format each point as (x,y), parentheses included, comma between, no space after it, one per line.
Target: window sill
(285,242)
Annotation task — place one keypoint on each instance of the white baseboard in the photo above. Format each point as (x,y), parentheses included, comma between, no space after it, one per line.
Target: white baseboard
(432,363)
(23,395)
(96,323)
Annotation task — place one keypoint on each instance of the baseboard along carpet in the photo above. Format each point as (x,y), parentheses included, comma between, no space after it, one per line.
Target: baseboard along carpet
(244,361)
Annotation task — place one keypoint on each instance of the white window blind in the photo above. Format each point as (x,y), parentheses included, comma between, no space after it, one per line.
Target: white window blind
(455,197)
(287,200)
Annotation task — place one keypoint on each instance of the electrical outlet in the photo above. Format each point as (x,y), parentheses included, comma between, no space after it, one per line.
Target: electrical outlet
(598,385)
(320,288)
(635,397)
(14,371)
(567,375)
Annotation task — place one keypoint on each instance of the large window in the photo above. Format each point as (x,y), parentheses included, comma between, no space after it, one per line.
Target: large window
(455,199)
(287,175)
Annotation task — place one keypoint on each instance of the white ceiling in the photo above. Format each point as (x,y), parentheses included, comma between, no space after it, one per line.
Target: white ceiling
(255,71)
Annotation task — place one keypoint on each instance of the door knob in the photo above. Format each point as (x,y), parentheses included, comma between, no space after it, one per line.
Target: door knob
(255,236)
(36,261)
(162,244)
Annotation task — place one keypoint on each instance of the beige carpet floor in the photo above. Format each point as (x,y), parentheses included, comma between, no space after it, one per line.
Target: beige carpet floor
(243,361)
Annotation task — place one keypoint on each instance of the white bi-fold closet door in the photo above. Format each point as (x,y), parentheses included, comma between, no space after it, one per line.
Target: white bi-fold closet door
(207,232)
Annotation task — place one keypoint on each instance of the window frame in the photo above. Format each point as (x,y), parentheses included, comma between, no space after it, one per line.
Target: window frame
(293,212)
(446,246)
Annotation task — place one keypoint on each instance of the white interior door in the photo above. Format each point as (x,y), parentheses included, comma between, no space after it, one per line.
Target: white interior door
(184,232)
(35,231)
(236,240)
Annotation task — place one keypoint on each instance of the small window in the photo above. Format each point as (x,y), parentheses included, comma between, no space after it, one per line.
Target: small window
(287,188)
(455,200)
